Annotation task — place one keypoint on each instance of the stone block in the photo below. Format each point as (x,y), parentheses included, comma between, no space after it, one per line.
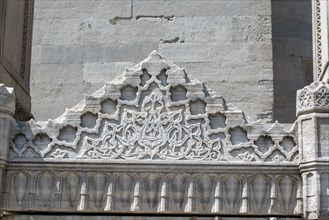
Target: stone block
(313,98)
(130,31)
(59,31)
(292,47)
(259,52)
(323,137)
(187,52)
(56,74)
(36,55)
(100,72)
(251,29)
(292,29)
(81,9)
(252,73)
(229,54)
(95,53)
(183,8)
(260,7)
(45,104)
(292,10)
(7,100)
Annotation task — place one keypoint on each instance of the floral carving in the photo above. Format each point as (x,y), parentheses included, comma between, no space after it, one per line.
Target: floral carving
(322,96)
(314,97)
(152,134)
(155,112)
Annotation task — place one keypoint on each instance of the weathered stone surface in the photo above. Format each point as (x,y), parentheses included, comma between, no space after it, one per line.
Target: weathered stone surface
(15,51)
(313,98)
(292,54)
(313,122)
(185,8)
(167,105)
(79,9)
(211,34)
(154,140)
(7,100)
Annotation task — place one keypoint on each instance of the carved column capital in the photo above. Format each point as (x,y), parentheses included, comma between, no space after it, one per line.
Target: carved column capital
(7,99)
(313,98)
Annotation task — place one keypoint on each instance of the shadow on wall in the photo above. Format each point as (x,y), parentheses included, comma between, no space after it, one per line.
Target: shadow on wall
(292,54)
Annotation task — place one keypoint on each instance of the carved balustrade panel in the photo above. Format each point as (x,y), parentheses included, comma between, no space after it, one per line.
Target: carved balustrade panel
(166,192)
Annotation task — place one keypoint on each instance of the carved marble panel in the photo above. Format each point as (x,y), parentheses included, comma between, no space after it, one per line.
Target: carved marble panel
(153,192)
(154,141)
(155,111)
(313,98)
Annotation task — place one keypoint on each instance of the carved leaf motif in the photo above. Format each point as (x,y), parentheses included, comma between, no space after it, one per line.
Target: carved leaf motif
(322,97)
(178,192)
(152,134)
(152,184)
(71,189)
(45,187)
(124,190)
(260,194)
(232,193)
(205,191)
(98,189)
(20,187)
(287,194)
(305,99)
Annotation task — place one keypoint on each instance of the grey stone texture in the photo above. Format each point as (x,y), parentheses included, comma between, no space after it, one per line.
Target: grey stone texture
(292,54)
(16,18)
(77,45)
(154,141)
(158,141)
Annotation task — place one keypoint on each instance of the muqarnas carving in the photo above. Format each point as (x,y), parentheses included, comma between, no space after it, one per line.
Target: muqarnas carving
(154,111)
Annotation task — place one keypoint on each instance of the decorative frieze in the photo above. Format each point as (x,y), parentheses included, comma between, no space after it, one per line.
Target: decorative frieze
(155,111)
(175,192)
(158,141)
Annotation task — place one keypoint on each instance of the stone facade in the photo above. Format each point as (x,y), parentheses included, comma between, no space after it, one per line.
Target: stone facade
(262,49)
(154,116)
(158,141)
(16,18)
(77,45)
(292,54)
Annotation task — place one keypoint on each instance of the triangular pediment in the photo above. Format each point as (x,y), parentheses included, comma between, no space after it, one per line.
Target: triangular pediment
(154,111)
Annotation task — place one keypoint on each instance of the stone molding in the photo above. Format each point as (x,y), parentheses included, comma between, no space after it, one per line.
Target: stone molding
(320,39)
(313,98)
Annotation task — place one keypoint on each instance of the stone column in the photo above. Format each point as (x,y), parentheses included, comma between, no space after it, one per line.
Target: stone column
(313,139)
(7,110)
(320,12)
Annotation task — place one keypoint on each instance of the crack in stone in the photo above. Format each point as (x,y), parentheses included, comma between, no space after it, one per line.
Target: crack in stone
(170,41)
(116,19)
(168,18)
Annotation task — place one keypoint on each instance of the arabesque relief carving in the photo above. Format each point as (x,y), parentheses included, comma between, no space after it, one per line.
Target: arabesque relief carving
(314,97)
(155,112)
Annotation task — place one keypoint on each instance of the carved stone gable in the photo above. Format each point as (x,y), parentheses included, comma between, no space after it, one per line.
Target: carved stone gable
(154,111)
(153,141)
